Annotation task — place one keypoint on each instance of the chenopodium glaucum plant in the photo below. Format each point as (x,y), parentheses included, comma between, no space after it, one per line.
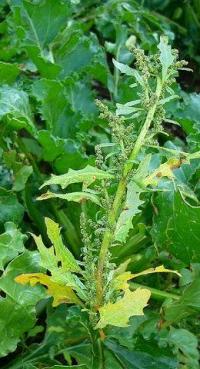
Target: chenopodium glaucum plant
(115,186)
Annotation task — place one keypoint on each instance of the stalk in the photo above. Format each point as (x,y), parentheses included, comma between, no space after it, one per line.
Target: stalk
(155,293)
(121,189)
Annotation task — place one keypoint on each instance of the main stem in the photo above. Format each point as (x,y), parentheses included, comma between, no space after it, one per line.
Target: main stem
(121,189)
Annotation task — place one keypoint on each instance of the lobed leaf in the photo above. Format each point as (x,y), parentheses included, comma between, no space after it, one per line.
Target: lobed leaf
(74,196)
(61,294)
(118,313)
(87,176)
(166,56)
(11,243)
(130,209)
(56,254)
(62,254)
(120,280)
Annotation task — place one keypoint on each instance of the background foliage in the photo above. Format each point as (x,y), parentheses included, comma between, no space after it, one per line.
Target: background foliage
(55,59)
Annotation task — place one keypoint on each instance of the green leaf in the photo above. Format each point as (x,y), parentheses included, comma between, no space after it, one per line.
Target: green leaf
(118,313)
(8,73)
(124,68)
(31,24)
(11,243)
(87,176)
(19,303)
(166,56)
(136,359)
(10,208)
(74,196)
(46,68)
(67,367)
(130,209)
(65,153)
(63,255)
(33,21)
(14,104)
(188,304)
(75,52)
(169,230)
(185,346)
(48,141)
(22,177)
(58,253)
(57,116)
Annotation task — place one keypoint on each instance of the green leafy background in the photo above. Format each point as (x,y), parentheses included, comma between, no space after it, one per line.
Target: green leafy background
(55,59)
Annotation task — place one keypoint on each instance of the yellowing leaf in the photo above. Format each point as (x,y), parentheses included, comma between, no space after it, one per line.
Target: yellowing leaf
(120,282)
(61,294)
(158,269)
(164,170)
(118,314)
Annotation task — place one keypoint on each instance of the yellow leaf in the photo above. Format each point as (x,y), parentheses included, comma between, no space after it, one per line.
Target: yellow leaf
(60,293)
(120,282)
(158,269)
(118,314)
(164,170)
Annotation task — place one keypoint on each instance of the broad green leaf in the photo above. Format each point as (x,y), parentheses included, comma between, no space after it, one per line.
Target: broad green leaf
(65,153)
(166,56)
(61,294)
(11,244)
(57,116)
(139,359)
(68,367)
(33,21)
(46,67)
(14,104)
(87,176)
(48,141)
(11,210)
(130,209)
(31,24)
(111,361)
(118,313)
(19,304)
(8,73)
(80,96)
(74,196)
(75,52)
(188,304)
(185,345)
(169,230)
